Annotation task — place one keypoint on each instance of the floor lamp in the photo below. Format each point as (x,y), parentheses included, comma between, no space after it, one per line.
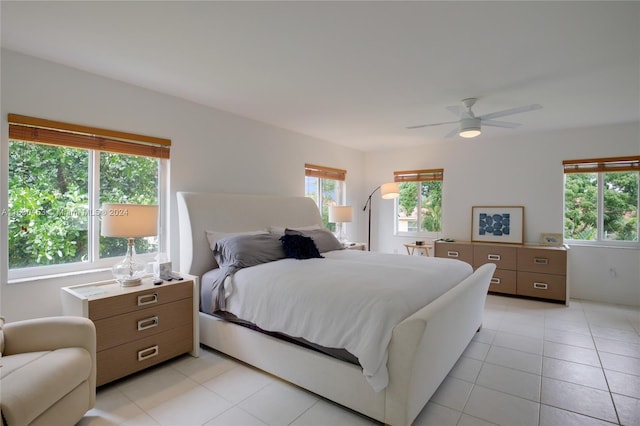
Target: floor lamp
(388,191)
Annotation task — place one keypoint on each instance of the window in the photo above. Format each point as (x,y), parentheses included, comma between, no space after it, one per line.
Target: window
(326,186)
(601,200)
(59,176)
(419,207)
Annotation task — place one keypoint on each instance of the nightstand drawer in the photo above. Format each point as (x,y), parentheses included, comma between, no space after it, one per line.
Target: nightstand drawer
(129,302)
(458,251)
(504,257)
(136,325)
(126,359)
(503,281)
(547,261)
(546,286)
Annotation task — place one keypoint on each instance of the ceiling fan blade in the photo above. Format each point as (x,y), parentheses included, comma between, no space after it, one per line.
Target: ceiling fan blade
(452,133)
(456,109)
(430,125)
(505,124)
(511,111)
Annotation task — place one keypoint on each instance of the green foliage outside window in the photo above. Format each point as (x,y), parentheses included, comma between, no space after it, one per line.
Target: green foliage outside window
(424,208)
(619,206)
(49,199)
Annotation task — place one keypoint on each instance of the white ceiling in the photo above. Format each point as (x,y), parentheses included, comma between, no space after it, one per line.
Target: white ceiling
(355,73)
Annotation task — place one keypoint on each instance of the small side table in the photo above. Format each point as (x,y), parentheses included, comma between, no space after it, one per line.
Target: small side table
(424,248)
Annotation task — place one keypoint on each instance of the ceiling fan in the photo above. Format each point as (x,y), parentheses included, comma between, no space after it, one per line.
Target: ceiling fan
(470,125)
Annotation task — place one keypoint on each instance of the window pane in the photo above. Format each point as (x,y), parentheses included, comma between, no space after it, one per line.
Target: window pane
(128,179)
(621,206)
(431,206)
(408,207)
(581,206)
(48,205)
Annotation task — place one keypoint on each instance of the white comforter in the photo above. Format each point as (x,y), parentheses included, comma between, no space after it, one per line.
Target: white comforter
(350,299)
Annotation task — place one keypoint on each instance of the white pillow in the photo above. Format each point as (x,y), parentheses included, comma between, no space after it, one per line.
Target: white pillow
(280,229)
(214,236)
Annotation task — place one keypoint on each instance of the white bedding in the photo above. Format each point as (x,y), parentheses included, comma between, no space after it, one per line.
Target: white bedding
(350,299)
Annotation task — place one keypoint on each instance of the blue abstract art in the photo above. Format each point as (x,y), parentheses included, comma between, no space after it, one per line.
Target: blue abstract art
(496,224)
(500,224)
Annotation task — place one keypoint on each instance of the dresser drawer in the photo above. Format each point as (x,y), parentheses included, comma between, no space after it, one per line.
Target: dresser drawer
(503,281)
(546,286)
(504,257)
(458,251)
(542,260)
(129,302)
(135,356)
(114,331)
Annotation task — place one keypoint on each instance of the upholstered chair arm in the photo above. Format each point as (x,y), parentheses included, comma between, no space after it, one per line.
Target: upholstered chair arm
(45,334)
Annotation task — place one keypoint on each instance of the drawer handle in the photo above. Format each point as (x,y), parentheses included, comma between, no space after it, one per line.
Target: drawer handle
(540,286)
(147,299)
(493,257)
(495,280)
(147,323)
(147,353)
(452,254)
(540,261)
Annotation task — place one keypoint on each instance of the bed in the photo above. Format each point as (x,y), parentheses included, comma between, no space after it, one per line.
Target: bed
(422,348)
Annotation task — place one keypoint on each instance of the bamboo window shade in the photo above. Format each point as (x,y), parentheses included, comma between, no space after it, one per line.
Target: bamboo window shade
(418,175)
(595,165)
(39,130)
(323,172)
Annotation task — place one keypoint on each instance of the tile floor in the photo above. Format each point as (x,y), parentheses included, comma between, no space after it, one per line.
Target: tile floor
(533,363)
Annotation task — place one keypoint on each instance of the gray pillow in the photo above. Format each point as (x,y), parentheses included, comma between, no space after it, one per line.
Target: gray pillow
(323,238)
(248,250)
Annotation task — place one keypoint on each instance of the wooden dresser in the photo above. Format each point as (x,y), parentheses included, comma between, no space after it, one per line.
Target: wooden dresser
(137,327)
(521,270)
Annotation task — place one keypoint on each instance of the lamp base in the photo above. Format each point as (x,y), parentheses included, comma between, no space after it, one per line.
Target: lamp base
(132,282)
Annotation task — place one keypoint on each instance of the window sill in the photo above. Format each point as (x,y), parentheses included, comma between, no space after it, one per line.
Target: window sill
(41,278)
(603,244)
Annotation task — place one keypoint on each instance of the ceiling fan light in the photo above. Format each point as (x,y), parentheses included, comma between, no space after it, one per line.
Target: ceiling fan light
(469,127)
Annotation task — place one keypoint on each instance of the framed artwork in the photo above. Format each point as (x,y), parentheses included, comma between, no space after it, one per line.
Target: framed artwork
(497,224)
(551,239)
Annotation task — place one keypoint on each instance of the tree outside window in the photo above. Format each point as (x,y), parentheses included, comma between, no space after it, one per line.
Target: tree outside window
(601,205)
(419,206)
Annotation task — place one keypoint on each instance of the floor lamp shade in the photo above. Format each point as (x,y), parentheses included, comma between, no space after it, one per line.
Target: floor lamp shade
(390,190)
(129,221)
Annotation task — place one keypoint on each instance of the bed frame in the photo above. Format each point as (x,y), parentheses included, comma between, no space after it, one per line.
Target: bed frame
(423,349)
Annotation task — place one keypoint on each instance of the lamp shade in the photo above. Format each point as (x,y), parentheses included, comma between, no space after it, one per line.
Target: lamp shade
(390,190)
(340,214)
(129,220)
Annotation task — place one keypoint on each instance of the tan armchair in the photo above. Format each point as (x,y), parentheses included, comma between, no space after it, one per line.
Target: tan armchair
(47,371)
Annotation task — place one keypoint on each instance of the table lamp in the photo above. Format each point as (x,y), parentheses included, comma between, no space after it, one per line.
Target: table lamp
(340,215)
(129,221)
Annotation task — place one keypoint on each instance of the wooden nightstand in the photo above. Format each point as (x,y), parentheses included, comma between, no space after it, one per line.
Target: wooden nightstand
(137,327)
(355,246)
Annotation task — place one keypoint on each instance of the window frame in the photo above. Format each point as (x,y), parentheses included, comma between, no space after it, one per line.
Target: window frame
(600,167)
(327,173)
(94,140)
(418,176)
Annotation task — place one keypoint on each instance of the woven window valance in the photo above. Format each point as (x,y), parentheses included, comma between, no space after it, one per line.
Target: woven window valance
(418,175)
(323,172)
(38,130)
(595,165)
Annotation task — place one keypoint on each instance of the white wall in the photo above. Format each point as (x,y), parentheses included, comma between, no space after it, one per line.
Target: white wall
(217,151)
(212,150)
(527,171)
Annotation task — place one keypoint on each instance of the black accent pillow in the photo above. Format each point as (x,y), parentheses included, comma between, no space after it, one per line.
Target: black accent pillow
(299,247)
(323,238)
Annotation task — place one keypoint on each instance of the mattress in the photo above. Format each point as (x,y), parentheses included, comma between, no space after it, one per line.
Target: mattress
(348,300)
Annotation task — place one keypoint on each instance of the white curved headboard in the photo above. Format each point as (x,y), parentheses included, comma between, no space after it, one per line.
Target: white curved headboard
(200,211)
